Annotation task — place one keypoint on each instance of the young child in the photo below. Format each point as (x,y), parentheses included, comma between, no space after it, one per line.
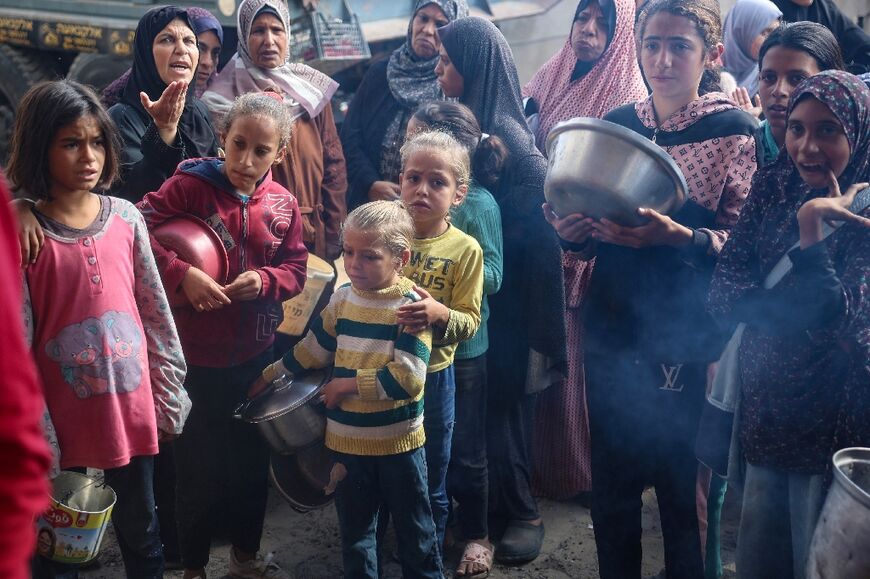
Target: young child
(447,267)
(479,217)
(222,464)
(375,399)
(97,316)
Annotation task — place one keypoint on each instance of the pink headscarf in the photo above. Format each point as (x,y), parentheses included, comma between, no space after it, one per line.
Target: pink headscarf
(614,80)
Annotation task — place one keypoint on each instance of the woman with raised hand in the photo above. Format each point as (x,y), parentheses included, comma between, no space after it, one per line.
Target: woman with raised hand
(391,90)
(313,169)
(159,118)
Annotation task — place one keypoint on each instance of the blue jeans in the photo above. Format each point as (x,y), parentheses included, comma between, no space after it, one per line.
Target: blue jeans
(467,479)
(779,515)
(397,481)
(439,404)
(135,521)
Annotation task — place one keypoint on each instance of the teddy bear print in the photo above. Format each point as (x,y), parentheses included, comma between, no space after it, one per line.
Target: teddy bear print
(99,355)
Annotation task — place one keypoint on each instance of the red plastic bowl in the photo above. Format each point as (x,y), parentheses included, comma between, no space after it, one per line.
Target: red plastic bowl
(197,244)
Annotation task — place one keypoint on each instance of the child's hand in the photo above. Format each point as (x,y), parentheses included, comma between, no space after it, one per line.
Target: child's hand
(245,288)
(31,238)
(575,227)
(384,191)
(752,106)
(204,293)
(337,390)
(163,437)
(418,316)
(834,207)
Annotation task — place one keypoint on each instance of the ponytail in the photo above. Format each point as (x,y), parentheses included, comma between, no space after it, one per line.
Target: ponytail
(488,161)
(711,81)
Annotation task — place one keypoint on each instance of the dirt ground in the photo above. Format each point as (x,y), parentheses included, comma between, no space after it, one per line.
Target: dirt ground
(307,545)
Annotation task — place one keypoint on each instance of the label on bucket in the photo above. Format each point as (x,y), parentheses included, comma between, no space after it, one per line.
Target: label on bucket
(69,536)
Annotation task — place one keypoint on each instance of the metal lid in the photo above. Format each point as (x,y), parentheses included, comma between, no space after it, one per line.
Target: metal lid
(283,396)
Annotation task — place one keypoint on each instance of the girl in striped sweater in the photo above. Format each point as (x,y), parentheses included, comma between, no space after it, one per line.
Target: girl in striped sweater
(375,398)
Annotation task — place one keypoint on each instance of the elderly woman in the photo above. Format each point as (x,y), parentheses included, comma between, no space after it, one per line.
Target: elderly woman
(160,121)
(527,322)
(390,92)
(313,168)
(595,71)
(747,25)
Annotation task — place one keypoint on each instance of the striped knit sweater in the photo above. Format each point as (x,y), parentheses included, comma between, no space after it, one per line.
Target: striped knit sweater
(358,334)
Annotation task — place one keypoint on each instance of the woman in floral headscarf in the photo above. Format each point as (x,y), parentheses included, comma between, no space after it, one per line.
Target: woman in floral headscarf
(390,92)
(595,71)
(803,357)
(313,168)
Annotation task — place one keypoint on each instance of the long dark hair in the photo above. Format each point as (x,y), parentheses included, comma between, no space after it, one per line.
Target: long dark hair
(810,37)
(488,154)
(42,112)
(707,19)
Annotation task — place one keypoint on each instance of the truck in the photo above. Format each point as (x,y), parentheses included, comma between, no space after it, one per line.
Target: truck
(91,41)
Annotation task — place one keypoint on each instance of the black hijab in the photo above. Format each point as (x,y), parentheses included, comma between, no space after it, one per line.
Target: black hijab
(194,128)
(608,9)
(854,42)
(482,56)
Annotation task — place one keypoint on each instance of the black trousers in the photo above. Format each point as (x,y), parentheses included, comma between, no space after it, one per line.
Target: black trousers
(222,463)
(643,421)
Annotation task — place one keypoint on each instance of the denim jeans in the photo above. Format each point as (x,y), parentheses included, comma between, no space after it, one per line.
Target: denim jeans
(439,413)
(467,480)
(222,464)
(779,515)
(398,483)
(135,521)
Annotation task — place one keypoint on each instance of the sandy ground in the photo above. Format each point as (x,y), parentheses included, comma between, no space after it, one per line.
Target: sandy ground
(307,545)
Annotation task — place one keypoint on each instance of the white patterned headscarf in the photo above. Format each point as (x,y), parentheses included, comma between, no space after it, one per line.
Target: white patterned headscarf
(303,87)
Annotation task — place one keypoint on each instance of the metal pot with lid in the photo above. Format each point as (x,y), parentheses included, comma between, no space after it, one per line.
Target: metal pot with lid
(289,413)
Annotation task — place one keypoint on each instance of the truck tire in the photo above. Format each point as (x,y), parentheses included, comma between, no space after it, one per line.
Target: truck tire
(20,69)
(97,70)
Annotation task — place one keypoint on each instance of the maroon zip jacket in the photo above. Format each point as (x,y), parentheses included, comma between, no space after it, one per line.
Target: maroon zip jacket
(262,232)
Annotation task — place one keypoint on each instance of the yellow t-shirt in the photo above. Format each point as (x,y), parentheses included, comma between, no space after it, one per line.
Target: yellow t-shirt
(450,267)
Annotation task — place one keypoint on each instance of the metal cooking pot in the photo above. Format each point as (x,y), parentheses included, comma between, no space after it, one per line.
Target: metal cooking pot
(302,478)
(839,548)
(602,169)
(289,413)
(196,243)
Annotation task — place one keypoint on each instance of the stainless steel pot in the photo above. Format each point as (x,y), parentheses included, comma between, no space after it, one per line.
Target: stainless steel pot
(289,414)
(302,478)
(602,169)
(841,542)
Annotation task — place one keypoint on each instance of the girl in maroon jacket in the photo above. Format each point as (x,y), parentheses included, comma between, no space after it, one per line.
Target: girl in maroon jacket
(228,330)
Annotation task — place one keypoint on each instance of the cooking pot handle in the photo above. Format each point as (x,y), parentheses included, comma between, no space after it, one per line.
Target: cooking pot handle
(237,413)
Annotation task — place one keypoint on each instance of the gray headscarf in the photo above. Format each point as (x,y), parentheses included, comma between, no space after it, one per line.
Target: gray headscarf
(746,20)
(412,82)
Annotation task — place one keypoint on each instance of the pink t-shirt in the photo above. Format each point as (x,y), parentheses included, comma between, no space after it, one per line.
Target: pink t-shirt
(101,333)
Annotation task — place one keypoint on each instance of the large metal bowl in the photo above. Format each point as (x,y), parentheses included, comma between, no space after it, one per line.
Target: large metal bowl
(602,169)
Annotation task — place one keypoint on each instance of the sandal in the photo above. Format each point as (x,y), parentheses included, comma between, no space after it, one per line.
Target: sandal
(475,553)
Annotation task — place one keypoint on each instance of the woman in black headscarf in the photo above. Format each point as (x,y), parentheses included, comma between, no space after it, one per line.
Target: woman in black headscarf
(390,92)
(854,42)
(168,124)
(527,335)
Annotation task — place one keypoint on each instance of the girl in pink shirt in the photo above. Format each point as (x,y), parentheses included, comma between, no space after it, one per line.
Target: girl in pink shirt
(96,313)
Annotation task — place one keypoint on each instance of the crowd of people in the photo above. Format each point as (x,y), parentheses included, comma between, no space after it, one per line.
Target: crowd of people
(487,351)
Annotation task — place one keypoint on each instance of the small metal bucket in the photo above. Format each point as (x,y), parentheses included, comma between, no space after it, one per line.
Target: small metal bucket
(72,528)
